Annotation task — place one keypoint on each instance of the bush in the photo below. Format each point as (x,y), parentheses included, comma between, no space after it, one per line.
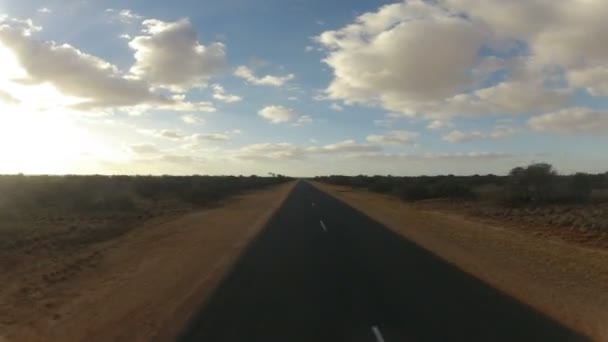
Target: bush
(452,188)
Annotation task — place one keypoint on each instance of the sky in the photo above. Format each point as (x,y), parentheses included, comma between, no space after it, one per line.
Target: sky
(302,87)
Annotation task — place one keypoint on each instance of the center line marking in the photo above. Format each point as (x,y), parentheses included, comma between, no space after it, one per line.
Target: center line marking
(378,334)
(323,226)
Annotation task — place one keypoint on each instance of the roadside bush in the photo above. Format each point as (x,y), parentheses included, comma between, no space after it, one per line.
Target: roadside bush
(535,184)
(532,184)
(414,191)
(452,188)
(20,196)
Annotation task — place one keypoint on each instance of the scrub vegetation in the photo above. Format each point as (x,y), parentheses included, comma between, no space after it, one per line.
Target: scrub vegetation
(89,209)
(534,195)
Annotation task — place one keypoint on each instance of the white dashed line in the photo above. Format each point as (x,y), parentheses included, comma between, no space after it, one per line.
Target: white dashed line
(378,334)
(323,226)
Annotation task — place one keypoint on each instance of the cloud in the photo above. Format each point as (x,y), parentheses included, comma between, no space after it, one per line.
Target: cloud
(169,55)
(575,120)
(171,134)
(289,151)
(128,15)
(387,54)
(393,138)
(143,149)
(336,107)
(192,119)
(44,10)
(94,81)
(303,120)
(270,151)
(268,80)
(485,57)
(438,124)
(457,136)
(220,94)
(203,137)
(7,98)
(386,123)
(343,147)
(593,79)
(430,157)
(278,114)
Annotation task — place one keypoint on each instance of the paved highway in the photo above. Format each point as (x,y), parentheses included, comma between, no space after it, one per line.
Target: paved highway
(322,271)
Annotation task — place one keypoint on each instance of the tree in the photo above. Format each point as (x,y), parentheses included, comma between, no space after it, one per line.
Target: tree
(533,184)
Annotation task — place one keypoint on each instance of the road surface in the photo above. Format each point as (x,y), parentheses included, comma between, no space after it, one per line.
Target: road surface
(322,271)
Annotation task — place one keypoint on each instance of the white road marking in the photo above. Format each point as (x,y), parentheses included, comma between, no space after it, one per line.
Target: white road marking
(323,226)
(378,334)
(313,204)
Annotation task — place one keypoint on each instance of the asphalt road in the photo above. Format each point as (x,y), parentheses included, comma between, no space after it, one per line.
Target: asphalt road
(351,279)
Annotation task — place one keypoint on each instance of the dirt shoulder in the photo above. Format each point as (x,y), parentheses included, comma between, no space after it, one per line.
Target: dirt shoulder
(566,281)
(141,286)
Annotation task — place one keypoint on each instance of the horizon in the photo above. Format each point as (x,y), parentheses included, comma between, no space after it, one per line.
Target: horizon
(402,88)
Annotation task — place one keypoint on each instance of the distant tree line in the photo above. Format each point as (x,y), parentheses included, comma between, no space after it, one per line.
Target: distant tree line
(535,184)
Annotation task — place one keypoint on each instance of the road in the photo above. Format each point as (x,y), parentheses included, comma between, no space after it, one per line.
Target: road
(322,271)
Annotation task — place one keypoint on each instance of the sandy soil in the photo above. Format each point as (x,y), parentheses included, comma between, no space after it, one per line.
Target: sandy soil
(567,281)
(140,286)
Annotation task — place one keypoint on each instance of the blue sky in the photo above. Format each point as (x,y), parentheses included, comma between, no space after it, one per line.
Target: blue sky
(302,87)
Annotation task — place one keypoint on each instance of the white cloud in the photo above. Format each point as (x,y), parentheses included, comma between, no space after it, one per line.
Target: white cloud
(438,124)
(169,55)
(143,149)
(289,151)
(171,134)
(192,119)
(268,80)
(430,157)
(7,98)
(220,94)
(393,138)
(303,120)
(387,123)
(593,79)
(387,54)
(44,10)
(128,16)
(457,136)
(203,137)
(75,73)
(575,120)
(343,147)
(336,107)
(269,151)
(278,114)
(386,58)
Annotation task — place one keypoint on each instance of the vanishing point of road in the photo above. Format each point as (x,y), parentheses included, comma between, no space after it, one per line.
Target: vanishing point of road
(322,271)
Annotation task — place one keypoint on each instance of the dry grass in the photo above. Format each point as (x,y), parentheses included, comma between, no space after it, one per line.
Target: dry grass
(585,224)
